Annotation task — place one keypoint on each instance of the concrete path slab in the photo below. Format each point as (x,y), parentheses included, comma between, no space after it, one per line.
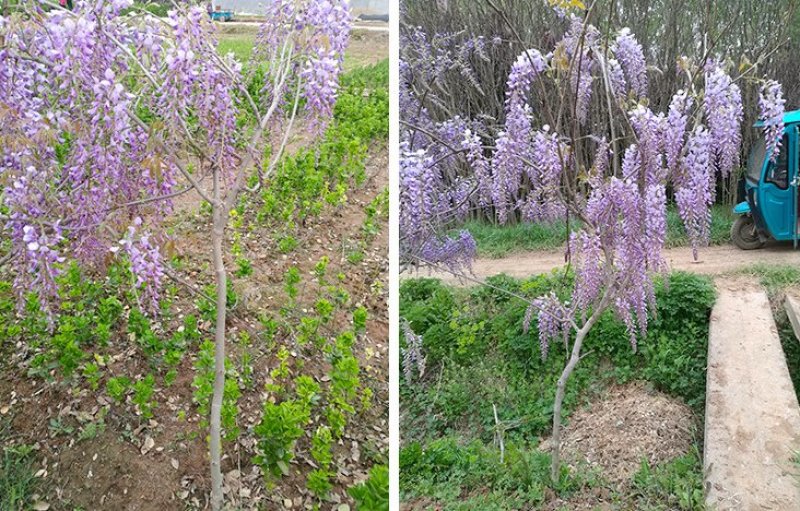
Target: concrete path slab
(752,424)
(792,305)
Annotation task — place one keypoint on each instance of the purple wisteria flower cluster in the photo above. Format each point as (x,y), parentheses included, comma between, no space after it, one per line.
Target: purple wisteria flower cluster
(105,118)
(724,110)
(320,28)
(414,360)
(631,60)
(771,110)
(578,45)
(530,169)
(146,261)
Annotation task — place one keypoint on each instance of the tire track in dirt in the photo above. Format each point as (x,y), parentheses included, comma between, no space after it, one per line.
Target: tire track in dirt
(716,260)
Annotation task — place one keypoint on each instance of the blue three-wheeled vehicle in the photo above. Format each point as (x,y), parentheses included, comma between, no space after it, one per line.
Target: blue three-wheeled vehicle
(769,207)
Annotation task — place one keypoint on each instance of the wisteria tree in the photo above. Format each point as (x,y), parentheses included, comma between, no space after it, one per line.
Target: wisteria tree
(106,117)
(547,161)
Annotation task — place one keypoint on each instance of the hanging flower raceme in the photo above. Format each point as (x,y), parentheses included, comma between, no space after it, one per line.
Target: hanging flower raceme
(588,258)
(630,56)
(578,45)
(481,166)
(554,320)
(146,263)
(770,103)
(425,206)
(513,144)
(544,171)
(35,238)
(414,360)
(314,35)
(724,111)
(675,132)
(321,78)
(619,86)
(618,212)
(693,194)
(649,128)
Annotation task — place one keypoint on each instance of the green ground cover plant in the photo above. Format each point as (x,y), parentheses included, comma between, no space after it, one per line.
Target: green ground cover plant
(478,355)
(99,315)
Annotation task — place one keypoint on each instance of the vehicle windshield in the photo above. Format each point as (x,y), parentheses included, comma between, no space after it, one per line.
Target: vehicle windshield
(755,161)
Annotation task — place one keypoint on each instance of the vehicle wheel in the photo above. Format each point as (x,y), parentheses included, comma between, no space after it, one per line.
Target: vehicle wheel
(744,233)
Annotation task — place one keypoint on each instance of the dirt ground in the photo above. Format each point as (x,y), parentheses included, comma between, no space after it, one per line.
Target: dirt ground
(120,470)
(162,463)
(716,260)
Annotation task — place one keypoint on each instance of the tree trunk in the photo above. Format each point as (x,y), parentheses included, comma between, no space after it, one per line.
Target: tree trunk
(561,388)
(555,467)
(219,356)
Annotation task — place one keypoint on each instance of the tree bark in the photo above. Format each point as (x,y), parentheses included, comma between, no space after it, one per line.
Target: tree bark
(555,466)
(575,357)
(220,220)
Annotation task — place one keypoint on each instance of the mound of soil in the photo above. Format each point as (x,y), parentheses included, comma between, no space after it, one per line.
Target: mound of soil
(631,423)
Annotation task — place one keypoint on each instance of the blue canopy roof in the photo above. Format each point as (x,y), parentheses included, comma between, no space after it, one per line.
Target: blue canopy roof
(788,118)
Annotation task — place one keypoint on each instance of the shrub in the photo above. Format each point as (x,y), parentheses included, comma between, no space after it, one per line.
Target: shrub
(372,494)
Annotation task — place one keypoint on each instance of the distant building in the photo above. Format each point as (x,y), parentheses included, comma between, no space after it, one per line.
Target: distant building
(368,8)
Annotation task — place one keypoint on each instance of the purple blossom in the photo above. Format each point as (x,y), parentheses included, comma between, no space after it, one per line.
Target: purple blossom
(770,103)
(554,320)
(320,77)
(693,193)
(480,165)
(544,172)
(619,86)
(600,168)
(590,274)
(675,131)
(146,263)
(413,357)
(631,59)
(508,162)
(649,128)
(425,207)
(578,44)
(724,111)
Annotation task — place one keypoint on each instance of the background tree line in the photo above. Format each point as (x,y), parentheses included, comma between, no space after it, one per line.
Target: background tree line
(764,36)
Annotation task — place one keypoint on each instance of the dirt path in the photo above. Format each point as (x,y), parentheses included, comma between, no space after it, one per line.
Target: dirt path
(752,415)
(715,260)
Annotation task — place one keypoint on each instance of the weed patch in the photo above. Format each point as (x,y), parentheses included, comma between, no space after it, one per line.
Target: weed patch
(479,358)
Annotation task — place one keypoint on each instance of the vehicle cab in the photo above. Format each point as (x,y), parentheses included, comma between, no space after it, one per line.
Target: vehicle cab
(769,208)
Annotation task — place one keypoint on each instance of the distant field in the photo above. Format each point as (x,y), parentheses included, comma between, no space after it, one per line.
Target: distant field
(365,47)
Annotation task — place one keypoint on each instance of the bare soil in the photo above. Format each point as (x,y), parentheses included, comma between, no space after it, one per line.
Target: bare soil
(716,260)
(162,463)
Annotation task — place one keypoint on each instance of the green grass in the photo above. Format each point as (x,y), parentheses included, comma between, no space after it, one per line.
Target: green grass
(478,355)
(774,277)
(495,241)
(18,483)
(241,44)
